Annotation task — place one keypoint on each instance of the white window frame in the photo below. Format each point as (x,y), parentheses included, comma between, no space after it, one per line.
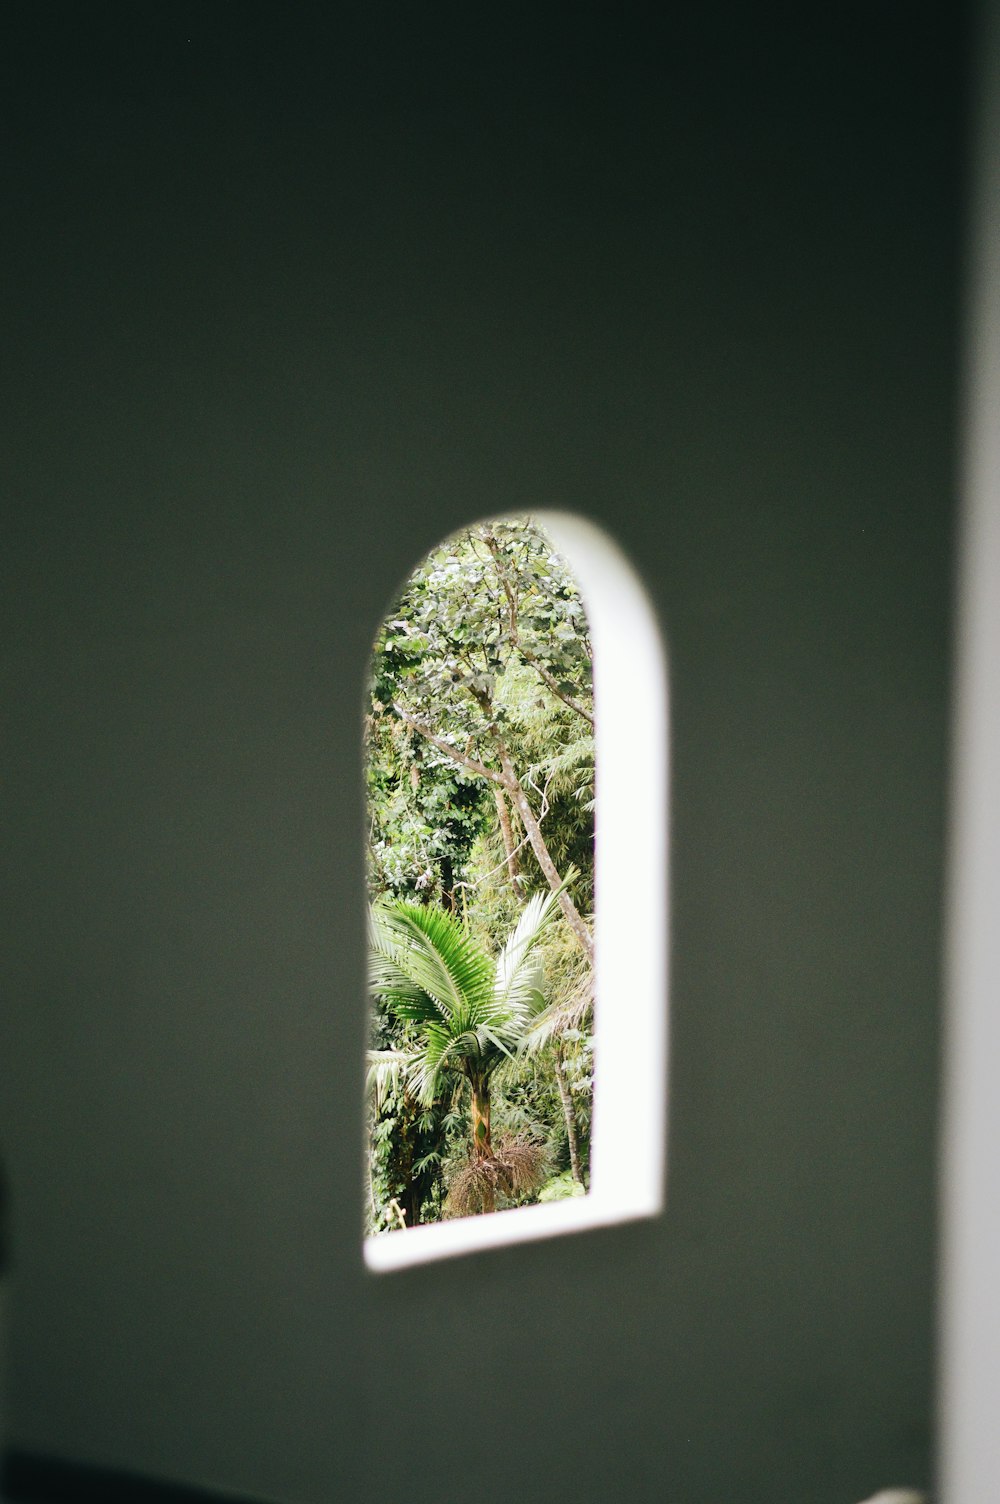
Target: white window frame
(628,1131)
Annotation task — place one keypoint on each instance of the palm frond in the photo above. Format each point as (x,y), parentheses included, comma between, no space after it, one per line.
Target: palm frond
(518,985)
(387,1070)
(388,975)
(438,1045)
(555,1020)
(517,1168)
(432,972)
(439,960)
(576,754)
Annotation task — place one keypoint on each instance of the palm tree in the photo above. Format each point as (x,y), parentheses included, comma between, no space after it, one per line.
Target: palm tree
(470,1011)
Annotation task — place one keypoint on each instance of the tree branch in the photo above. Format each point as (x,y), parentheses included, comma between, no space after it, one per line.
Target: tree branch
(503,815)
(540,668)
(544,674)
(520,801)
(461,758)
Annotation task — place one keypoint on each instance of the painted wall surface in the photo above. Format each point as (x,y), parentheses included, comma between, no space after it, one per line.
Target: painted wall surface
(286,298)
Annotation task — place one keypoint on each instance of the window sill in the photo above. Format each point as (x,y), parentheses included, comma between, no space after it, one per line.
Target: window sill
(522,1224)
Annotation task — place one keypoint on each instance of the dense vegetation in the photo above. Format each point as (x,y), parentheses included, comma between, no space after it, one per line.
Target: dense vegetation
(480,768)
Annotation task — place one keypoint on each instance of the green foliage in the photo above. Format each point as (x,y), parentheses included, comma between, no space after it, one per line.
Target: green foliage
(487,633)
(424,812)
(408,1146)
(560,1188)
(481,702)
(490,599)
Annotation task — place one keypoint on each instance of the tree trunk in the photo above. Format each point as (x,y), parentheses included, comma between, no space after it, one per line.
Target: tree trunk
(567,1106)
(512,784)
(503,814)
(482,1142)
(533,831)
(412,1202)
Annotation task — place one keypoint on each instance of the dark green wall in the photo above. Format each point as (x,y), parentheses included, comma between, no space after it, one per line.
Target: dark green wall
(286,298)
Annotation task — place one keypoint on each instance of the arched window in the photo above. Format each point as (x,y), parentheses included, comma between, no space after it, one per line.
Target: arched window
(509,621)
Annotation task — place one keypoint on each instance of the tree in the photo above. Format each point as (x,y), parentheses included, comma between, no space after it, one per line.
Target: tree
(468,1012)
(488,629)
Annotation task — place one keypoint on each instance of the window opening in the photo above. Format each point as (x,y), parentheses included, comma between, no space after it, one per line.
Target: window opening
(509,1094)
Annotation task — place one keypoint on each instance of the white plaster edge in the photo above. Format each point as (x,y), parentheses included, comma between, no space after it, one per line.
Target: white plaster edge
(522,1224)
(628,1139)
